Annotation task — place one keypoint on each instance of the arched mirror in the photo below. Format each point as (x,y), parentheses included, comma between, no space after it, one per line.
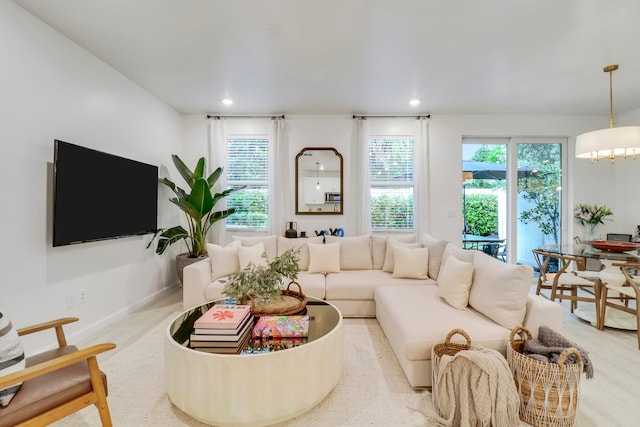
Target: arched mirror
(319,187)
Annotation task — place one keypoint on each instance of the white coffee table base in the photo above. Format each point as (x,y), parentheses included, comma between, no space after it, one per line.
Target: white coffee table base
(253,390)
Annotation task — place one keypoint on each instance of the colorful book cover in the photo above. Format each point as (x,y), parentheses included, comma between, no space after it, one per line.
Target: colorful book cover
(281,327)
(219,332)
(223,316)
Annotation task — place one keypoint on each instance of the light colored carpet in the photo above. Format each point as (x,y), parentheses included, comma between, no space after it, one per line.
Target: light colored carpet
(373,390)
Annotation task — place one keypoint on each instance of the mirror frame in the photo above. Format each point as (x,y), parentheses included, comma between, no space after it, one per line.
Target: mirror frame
(297,178)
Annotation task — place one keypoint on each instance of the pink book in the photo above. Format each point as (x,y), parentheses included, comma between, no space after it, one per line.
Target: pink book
(223,316)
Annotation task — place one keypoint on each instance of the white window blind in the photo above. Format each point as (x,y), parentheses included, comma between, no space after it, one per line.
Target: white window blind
(248,165)
(391,178)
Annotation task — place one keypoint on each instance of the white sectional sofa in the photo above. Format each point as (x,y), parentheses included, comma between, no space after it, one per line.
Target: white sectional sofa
(417,290)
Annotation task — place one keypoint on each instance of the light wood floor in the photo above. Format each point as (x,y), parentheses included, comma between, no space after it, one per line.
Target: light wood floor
(610,399)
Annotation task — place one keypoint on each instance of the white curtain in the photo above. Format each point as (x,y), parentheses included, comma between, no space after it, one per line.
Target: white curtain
(218,158)
(421,175)
(280,188)
(360,168)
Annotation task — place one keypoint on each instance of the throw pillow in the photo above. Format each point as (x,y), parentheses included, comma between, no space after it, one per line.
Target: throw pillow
(411,263)
(436,251)
(11,357)
(454,282)
(500,290)
(389,258)
(223,259)
(300,244)
(379,247)
(251,254)
(270,243)
(355,252)
(324,258)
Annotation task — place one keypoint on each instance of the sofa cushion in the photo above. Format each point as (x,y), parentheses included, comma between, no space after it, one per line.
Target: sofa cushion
(298,244)
(312,285)
(355,252)
(361,284)
(251,254)
(379,247)
(436,251)
(414,319)
(269,242)
(462,254)
(499,290)
(411,263)
(454,282)
(11,357)
(223,259)
(324,258)
(389,260)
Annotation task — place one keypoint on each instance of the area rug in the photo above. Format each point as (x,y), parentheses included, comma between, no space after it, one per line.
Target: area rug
(372,391)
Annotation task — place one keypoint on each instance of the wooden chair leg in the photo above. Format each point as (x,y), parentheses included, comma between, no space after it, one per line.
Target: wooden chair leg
(98,388)
(603,307)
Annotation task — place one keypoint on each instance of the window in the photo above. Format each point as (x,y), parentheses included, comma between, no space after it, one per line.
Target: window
(248,165)
(391,178)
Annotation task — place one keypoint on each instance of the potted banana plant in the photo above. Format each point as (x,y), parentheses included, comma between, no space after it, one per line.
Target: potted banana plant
(198,206)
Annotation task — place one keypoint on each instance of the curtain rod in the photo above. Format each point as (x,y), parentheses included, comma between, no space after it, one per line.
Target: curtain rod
(425,116)
(209,116)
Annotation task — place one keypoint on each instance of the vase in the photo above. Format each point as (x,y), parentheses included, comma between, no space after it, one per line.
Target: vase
(591,232)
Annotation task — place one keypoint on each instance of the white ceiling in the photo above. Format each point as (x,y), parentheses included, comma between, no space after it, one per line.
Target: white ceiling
(365,56)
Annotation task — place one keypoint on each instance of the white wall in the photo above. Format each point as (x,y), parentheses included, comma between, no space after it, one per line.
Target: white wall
(51,88)
(589,183)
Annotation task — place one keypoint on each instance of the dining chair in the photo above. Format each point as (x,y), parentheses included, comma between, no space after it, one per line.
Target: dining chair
(564,284)
(57,382)
(623,294)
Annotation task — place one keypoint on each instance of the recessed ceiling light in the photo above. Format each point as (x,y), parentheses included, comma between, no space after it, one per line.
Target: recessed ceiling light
(227,101)
(414,102)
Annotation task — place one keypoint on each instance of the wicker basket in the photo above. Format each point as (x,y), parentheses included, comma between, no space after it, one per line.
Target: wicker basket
(447,348)
(549,392)
(292,302)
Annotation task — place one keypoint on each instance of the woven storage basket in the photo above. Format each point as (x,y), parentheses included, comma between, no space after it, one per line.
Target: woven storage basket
(549,392)
(445,348)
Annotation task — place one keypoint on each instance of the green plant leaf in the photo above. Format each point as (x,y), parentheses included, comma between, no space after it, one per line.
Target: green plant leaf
(200,197)
(217,216)
(215,175)
(177,190)
(198,172)
(187,208)
(183,170)
(170,236)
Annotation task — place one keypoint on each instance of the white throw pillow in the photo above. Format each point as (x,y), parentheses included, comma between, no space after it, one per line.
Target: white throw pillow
(11,357)
(500,290)
(411,263)
(389,258)
(436,252)
(223,259)
(454,282)
(355,252)
(324,258)
(251,254)
(270,244)
(300,244)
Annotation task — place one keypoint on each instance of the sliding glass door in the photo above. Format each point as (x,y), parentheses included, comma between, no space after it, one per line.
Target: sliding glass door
(512,195)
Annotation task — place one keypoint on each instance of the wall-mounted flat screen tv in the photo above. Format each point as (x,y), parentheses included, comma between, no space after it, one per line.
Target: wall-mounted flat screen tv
(100,196)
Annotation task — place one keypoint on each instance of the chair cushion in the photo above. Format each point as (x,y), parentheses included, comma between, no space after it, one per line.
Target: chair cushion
(11,357)
(48,391)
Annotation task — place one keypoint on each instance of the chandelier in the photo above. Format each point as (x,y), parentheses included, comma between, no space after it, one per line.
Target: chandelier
(611,142)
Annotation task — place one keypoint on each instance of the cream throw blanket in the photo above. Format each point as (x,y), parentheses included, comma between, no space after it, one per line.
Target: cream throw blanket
(475,388)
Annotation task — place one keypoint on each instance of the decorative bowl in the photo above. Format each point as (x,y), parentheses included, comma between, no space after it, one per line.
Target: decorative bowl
(613,245)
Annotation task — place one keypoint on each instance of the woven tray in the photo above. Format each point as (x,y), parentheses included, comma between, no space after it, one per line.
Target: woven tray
(291,302)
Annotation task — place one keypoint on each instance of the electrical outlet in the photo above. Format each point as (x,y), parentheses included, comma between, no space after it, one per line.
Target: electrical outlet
(82,296)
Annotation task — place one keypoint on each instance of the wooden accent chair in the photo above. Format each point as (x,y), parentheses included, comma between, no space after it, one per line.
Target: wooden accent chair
(567,281)
(57,382)
(628,291)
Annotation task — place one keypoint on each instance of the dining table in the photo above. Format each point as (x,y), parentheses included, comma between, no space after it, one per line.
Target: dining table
(605,266)
(487,244)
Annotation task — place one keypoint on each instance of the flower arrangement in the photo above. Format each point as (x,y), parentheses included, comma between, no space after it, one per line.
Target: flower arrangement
(592,215)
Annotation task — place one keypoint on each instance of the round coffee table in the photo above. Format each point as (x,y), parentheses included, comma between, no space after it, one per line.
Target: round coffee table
(254,389)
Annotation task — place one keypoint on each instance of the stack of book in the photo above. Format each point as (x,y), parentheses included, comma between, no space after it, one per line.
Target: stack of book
(280,331)
(224,328)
